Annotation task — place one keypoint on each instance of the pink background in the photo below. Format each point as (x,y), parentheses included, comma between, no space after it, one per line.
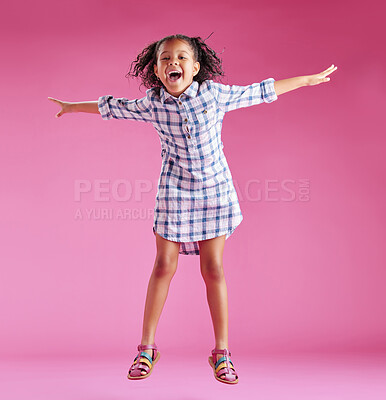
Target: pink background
(302,275)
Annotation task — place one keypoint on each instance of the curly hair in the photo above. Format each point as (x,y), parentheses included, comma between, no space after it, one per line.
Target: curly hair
(143,66)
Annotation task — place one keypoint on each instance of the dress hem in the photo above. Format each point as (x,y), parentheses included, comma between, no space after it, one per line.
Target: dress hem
(196,250)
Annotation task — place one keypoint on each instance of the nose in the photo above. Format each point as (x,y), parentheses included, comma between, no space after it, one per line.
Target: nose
(171,62)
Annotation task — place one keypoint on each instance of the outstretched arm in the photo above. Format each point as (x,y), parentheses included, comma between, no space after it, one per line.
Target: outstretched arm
(286,85)
(67,107)
(109,107)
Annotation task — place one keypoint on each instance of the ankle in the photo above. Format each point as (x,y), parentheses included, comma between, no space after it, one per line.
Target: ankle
(147,341)
(221,346)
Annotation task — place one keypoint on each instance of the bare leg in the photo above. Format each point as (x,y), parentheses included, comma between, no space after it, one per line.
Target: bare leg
(211,252)
(165,266)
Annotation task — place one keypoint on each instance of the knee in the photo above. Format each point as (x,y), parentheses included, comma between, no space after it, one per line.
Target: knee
(212,271)
(164,267)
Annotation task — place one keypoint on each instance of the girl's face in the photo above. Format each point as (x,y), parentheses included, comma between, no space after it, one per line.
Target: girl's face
(176,66)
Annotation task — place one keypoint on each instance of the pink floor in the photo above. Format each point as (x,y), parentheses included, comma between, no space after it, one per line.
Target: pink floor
(311,377)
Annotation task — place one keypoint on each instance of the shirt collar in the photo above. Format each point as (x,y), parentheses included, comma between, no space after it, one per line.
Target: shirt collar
(190,91)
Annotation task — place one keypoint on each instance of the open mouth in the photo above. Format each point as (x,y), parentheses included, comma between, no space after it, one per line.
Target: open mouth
(174,75)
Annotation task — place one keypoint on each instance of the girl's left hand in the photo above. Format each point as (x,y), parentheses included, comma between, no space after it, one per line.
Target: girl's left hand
(321,77)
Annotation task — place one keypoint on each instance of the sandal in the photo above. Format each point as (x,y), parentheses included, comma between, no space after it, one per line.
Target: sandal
(223,366)
(143,362)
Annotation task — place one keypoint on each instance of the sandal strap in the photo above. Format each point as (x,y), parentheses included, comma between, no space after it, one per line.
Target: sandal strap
(141,361)
(224,365)
(226,371)
(154,347)
(221,351)
(141,366)
(229,376)
(223,360)
(144,355)
(147,347)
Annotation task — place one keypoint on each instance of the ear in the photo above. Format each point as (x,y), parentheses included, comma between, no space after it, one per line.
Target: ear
(196,68)
(156,70)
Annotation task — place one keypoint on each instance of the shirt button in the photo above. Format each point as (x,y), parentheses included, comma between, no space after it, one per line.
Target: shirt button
(186,120)
(188,136)
(205,111)
(180,102)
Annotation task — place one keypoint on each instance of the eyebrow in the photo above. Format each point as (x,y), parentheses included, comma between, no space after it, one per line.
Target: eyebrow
(181,51)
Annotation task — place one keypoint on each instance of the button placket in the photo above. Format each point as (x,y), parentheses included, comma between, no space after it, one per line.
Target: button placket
(187,130)
(185,120)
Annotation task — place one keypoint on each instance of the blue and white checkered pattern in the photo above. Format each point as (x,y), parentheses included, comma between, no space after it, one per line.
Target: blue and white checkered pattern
(196,199)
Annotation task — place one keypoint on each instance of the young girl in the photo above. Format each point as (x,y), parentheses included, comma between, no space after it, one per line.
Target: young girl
(197,207)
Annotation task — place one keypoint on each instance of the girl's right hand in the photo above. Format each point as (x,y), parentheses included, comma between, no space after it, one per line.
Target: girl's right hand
(321,77)
(65,107)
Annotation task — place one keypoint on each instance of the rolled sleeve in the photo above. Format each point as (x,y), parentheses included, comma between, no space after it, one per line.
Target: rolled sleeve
(122,108)
(233,97)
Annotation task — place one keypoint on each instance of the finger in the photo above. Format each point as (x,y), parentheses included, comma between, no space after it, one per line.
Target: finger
(332,68)
(331,71)
(325,70)
(328,69)
(59,114)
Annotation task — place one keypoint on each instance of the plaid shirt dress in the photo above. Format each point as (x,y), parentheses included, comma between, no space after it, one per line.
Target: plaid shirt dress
(196,199)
